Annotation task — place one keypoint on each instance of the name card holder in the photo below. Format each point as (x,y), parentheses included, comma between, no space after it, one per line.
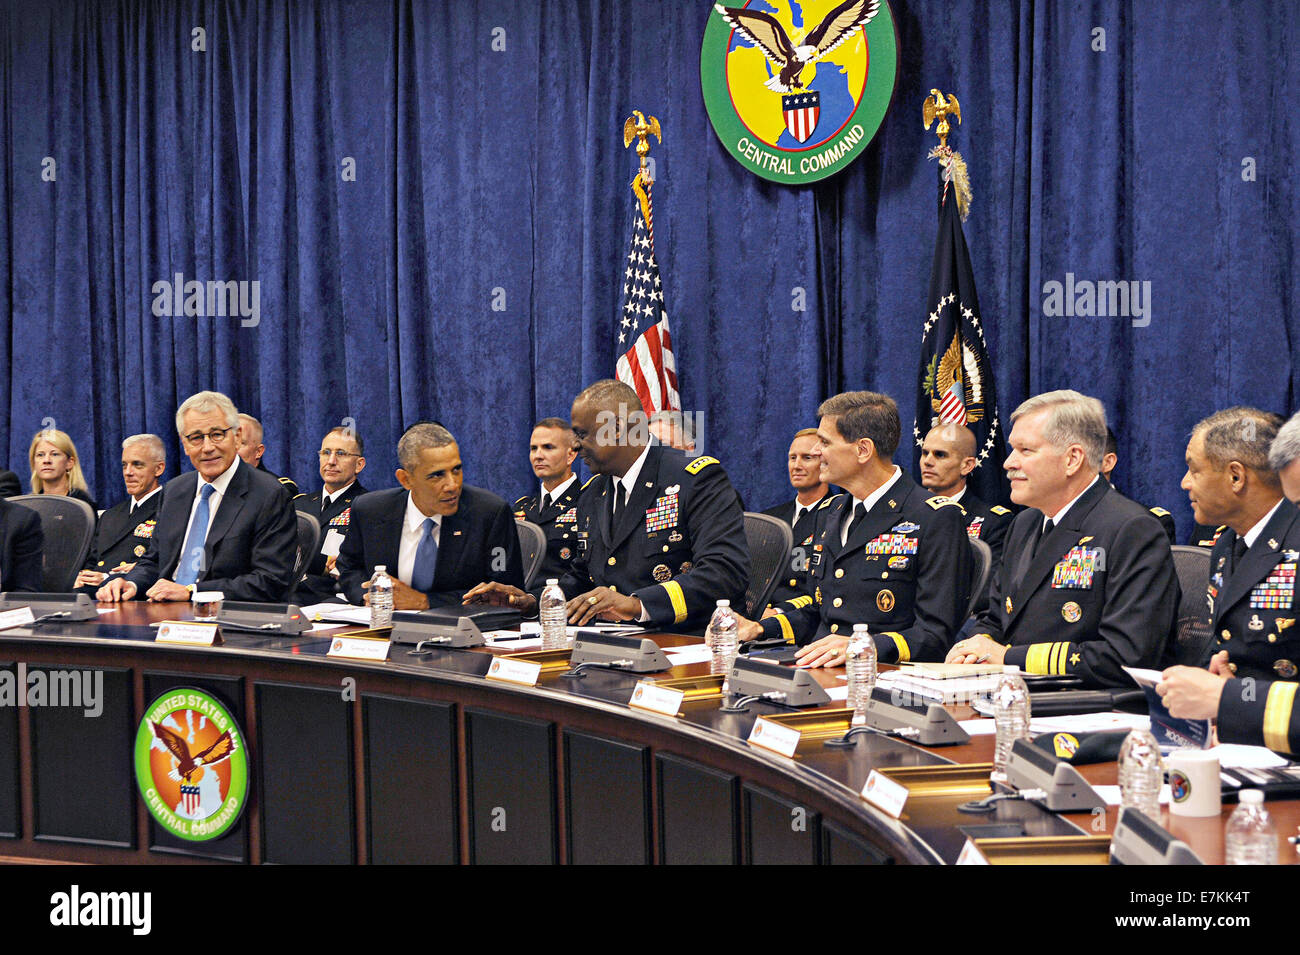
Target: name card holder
(520,672)
(885,794)
(189,634)
(657,699)
(359,648)
(774,736)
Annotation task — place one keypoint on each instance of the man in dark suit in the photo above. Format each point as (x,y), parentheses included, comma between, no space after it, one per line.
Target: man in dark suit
(947,459)
(886,552)
(436,535)
(21,546)
(10,486)
(251,450)
(661,536)
(342,458)
(124,530)
(804,465)
(225,526)
(551,451)
(1087,582)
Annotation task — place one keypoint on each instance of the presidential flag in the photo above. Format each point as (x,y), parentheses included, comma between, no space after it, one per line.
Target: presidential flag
(643,345)
(956,380)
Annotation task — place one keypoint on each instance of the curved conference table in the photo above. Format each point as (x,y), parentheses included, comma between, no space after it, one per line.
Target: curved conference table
(422,759)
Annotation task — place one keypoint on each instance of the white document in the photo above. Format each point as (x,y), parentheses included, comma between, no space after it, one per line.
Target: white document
(1236,756)
(346,613)
(1089,723)
(838,693)
(1144,677)
(333,541)
(1111,794)
(979,727)
(681,656)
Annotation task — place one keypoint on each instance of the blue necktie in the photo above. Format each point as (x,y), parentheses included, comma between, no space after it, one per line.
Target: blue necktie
(191,564)
(426,559)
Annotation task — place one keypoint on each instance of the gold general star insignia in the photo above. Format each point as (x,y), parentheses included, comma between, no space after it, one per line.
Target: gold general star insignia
(1074,659)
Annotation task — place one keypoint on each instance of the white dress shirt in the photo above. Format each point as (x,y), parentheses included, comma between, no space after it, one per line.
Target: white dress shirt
(557,493)
(870,502)
(412,530)
(140,503)
(219,486)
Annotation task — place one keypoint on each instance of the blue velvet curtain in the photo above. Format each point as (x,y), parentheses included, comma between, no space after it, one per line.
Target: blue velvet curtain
(432,198)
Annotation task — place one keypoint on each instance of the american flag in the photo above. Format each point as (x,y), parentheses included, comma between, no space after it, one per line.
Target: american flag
(644,345)
(952,410)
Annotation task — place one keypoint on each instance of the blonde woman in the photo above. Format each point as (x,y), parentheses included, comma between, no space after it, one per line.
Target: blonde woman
(56,467)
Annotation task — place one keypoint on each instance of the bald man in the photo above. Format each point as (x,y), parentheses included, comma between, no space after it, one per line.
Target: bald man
(804,463)
(947,459)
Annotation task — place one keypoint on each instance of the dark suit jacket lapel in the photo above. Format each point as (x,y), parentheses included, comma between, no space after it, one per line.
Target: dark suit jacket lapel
(114,526)
(1259,560)
(232,502)
(451,543)
(174,518)
(1056,545)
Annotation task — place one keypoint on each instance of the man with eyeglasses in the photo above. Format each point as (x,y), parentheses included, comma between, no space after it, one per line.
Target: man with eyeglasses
(224,526)
(342,458)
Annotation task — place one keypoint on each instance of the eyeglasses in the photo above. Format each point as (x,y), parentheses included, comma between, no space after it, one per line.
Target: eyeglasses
(337,454)
(216,436)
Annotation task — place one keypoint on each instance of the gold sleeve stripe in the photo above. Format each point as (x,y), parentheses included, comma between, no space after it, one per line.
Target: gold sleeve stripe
(678,600)
(1060,653)
(787,632)
(1277,715)
(904,651)
(798,603)
(1036,658)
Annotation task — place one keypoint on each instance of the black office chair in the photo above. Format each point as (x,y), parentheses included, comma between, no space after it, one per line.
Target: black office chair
(532,543)
(69,528)
(981,573)
(770,540)
(308,542)
(1192,634)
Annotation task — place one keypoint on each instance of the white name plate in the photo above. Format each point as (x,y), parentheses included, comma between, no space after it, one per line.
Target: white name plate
(188,634)
(774,736)
(16,618)
(358,648)
(656,699)
(523,672)
(885,794)
(971,855)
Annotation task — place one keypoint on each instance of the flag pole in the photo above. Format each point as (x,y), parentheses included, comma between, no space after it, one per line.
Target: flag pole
(936,106)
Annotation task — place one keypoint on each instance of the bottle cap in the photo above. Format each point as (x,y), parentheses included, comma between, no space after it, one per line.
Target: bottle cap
(381,568)
(1252,796)
(552,581)
(724,603)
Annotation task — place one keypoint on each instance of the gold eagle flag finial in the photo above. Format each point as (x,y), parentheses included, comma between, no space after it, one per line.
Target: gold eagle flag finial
(639,128)
(937,106)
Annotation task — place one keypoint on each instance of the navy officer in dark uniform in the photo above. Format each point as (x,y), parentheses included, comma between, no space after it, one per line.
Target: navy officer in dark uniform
(552,449)
(886,552)
(124,530)
(1087,583)
(804,464)
(342,458)
(661,535)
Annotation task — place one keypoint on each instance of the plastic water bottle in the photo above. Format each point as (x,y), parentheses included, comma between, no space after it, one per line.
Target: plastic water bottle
(861,665)
(721,637)
(1011,716)
(1140,773)
(555,633)
(381,598)
(1250,837)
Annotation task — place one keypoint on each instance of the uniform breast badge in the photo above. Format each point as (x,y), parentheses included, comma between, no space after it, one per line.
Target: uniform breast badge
(1072,612)
(662,573)
(885,601)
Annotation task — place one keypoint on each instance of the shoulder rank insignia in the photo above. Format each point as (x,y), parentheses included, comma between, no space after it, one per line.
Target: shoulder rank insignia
(939,501)
(699,464)
(999,509)
(589,480)
(521,500)
(1159,511)
(827,503)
